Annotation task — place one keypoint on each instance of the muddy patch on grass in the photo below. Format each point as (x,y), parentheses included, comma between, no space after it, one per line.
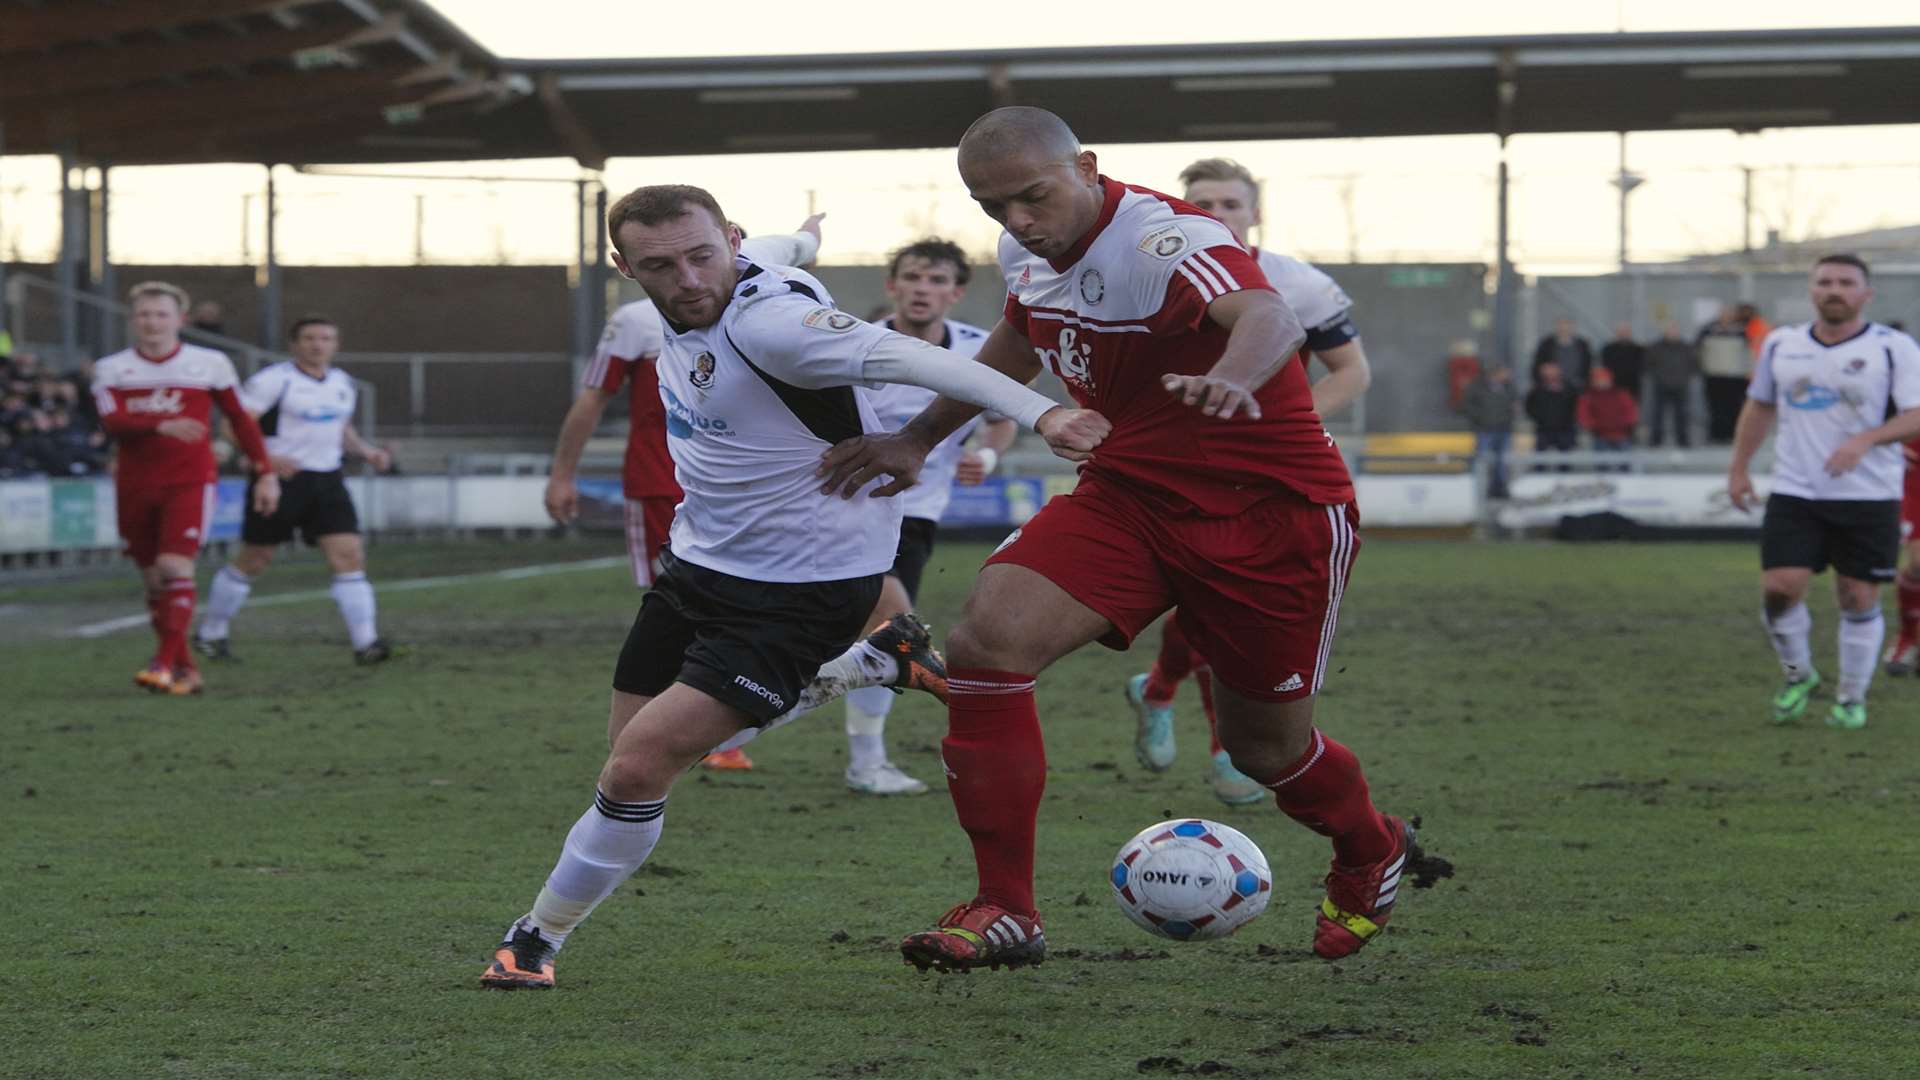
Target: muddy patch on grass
(1121,956)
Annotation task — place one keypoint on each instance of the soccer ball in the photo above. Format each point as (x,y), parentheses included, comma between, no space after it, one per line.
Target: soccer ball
(1191,879)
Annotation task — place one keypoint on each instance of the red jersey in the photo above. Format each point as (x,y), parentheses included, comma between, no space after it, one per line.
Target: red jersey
(136,393)
(1128,304)
(626,355)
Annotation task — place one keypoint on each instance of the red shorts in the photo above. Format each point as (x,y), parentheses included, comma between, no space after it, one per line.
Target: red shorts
(1910,506)
(163,521)
(1259,593)
(648,520)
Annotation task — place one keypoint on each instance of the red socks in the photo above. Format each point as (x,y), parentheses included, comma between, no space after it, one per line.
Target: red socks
(172,609)
(996,770)
(1325,791)
(1173,664)
(1909,607)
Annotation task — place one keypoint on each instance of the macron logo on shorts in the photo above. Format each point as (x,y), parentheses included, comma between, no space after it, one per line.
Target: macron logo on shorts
(772,698)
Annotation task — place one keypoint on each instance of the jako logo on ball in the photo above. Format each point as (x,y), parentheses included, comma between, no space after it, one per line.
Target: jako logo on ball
(1191,879)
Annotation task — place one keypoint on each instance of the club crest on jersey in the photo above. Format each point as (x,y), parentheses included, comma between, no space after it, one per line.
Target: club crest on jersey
(1092,286)
(702,374)
(829,321)
(1856,366)
(1164,242)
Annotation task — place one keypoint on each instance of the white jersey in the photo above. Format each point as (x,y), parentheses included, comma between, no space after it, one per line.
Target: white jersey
(897,403)
(752,402)
(1310,291)
(1827,394)
(303,418)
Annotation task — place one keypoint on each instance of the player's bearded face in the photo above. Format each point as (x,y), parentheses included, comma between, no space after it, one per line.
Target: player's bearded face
(1839,292)
(684,263)
(1046,206)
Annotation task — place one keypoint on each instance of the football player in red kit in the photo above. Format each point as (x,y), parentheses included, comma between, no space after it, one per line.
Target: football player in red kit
(1218,491)
(1903,656)
(157,399)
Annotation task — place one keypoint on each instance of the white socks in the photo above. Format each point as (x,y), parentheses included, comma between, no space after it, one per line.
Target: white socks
(609,842)
(867,710)
(224,600)
(354,594)
(1860,638)
(1788,631)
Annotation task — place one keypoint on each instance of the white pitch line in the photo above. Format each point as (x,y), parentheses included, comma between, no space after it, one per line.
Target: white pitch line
(128,622)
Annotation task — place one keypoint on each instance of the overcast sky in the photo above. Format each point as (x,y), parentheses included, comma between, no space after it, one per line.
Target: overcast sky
(1332,200)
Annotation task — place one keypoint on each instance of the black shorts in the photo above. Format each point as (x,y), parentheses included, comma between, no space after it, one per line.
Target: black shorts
(1859,538)
(314,504)
(753,645)
(916,547)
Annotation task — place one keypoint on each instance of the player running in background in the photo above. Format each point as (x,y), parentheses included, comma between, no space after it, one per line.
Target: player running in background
(305,406)
(924,280)
(1229,192)
(767,582)
(1844,393)
(1218,490)
(626,358)
(1903,656)
(157,400)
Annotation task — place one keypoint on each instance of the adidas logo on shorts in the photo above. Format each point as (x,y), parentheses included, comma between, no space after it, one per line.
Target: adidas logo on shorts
(1294,682)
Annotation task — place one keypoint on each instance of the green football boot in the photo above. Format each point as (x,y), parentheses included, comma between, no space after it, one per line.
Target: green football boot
(1848,715)
(1790,703)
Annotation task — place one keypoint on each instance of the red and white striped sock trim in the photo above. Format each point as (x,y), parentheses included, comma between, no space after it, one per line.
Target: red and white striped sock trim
(983,688)
(1313,758)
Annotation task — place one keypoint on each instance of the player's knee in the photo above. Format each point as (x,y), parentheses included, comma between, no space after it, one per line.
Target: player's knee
(634,774)
(978,642)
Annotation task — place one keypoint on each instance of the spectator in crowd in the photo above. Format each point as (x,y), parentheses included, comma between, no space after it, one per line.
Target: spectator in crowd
(1627,359)
(1488,406)
(1608,414)
(208,318)
(1553,406)
(48,420)
(1755,327)
(1569,350)
(1726,361)
(1673,363)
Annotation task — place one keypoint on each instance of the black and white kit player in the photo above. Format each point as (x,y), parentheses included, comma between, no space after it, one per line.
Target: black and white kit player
(768,580)
(305,407)
(1840,395)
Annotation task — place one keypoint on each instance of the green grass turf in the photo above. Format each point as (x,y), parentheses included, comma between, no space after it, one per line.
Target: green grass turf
(301,873)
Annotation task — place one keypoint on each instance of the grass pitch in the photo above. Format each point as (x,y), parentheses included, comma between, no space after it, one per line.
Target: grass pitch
(302,873)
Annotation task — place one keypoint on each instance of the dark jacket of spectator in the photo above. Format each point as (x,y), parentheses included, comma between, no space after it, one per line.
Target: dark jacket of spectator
(1673,362)
(1569,350)
(1488,403)
(1553,409)
(1627,359)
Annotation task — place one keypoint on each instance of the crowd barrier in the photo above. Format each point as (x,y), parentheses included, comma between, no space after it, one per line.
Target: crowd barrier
(67,515)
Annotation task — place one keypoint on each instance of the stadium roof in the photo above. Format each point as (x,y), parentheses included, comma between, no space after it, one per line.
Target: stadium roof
(301,81)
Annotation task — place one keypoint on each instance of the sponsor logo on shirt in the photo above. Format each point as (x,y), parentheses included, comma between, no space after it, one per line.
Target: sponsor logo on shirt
(1072,361)
(829,321)
(159,402)
(684,423)
(1092,285)
(1164,242)
(702,374)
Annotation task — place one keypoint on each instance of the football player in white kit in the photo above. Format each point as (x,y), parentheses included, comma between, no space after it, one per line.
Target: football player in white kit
(768,580)
(625,357)
(1225,189)
(924,280)
(305,407)
(1841,394)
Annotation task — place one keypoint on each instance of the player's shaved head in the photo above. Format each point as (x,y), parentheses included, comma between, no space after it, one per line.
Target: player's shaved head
(1019,131)
(1026,169)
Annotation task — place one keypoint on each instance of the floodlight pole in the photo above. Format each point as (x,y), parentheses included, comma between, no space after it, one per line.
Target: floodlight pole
(270,282)
(67,273)
(103,276)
